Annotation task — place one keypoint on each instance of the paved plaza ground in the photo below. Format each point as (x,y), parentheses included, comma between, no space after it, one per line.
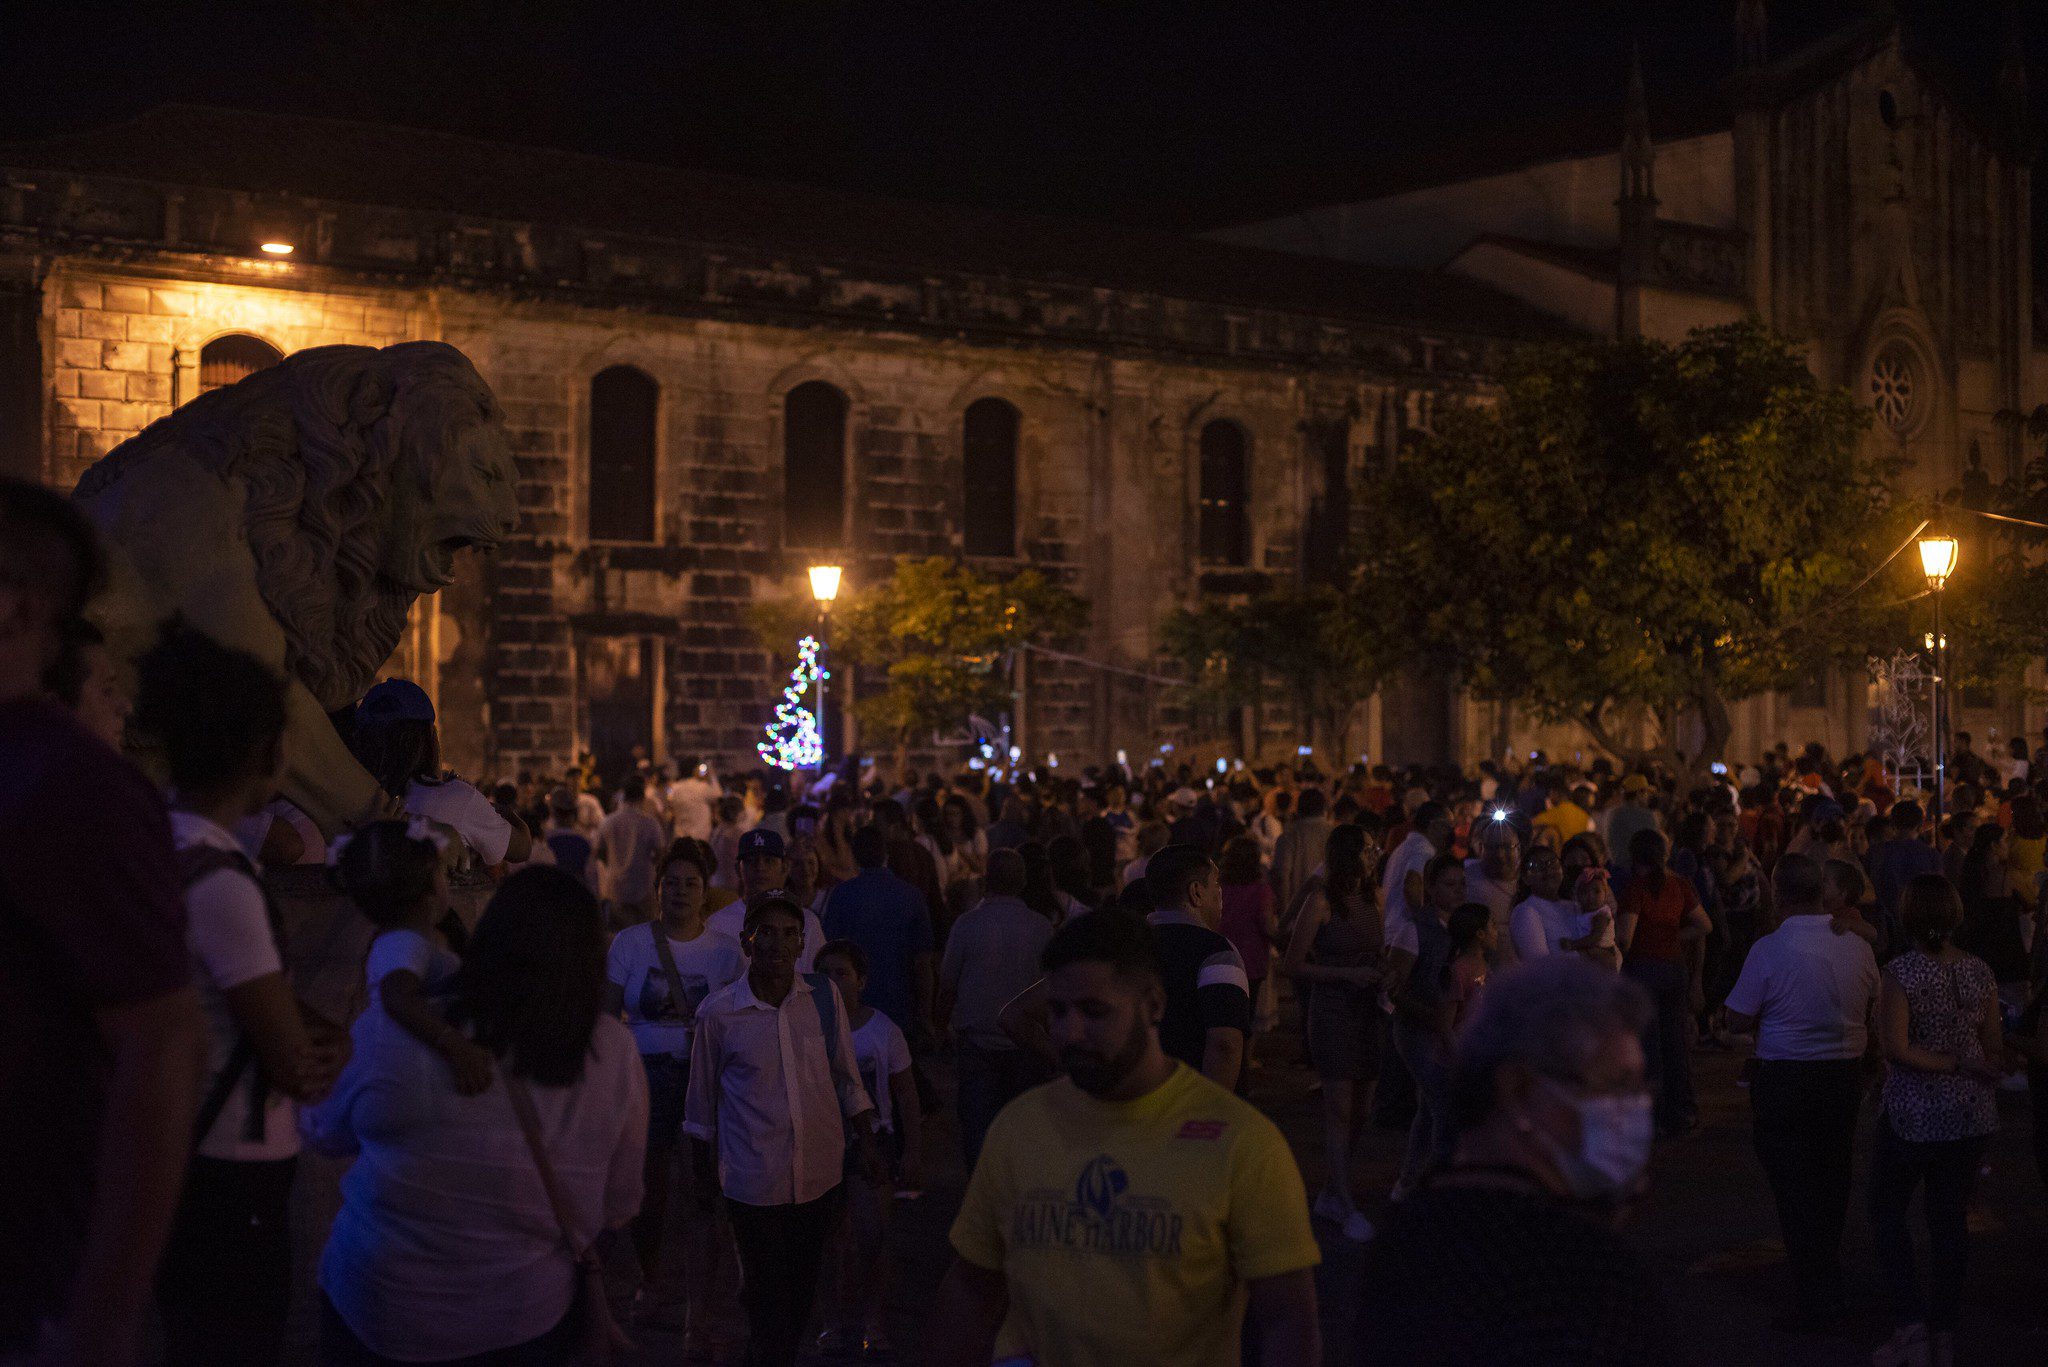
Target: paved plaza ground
(1708,1229)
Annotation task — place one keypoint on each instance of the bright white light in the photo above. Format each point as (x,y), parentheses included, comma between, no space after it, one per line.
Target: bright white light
(1122,758)
(1937,558)
(277,248)
(1500,814)
(1052,761)
(825,582)
(1222,766)
(1015,754)
(1304,750)
(976,762)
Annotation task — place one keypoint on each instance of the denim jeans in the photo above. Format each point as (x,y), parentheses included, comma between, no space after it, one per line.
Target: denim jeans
(1665,1048)
(1430,1135)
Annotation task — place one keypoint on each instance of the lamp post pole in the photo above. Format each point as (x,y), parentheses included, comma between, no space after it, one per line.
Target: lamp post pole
(1938,562)
(824,588)
(824,654)
(1940,708)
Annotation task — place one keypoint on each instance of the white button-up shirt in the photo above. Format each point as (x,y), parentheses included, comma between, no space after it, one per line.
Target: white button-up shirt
(1811,989)
(763,1087)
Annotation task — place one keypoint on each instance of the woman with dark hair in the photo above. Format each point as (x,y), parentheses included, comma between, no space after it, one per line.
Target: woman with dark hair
(1991,906)
(447,1246)
(657,974)
(1939,1024)
(1660,928)
(1334,954)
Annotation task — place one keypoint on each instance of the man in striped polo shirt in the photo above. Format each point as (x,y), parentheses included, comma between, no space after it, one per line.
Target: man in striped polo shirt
(1208,999)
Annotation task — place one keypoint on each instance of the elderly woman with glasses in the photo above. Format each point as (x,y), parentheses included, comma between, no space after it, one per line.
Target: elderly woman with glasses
(1509,1252)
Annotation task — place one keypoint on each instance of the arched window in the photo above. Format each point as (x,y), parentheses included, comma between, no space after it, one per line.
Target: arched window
(1225,496)
(813,467)
(236,356)
(989,476)
(623,404)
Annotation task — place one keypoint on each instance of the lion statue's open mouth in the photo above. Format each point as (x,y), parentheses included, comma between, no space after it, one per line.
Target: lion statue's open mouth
(298,513)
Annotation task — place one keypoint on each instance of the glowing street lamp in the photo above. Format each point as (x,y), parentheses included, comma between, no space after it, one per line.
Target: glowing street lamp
(824,588)
(1938,553)
(825,585)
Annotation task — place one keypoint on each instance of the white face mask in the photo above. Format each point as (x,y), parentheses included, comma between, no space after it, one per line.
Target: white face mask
(1614,1143)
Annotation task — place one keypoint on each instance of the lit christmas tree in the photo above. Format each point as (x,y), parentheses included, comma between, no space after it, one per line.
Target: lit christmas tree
(792,741)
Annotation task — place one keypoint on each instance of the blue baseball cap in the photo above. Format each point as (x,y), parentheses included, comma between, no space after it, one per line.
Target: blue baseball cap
(766,844)
(394,700)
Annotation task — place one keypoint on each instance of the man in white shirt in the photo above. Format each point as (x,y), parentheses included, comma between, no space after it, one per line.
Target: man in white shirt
(629,846)
(774,1087)
(690,798)
(1401,893)
(1807,990)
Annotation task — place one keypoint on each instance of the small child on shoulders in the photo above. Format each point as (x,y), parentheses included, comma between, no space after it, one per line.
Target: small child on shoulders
(393,872)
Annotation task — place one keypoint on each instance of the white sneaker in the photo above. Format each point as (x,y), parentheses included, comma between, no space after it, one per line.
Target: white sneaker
(1332,1207)
(1357,1228)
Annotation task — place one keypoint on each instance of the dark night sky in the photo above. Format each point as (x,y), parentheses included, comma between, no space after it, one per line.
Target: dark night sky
(1181,115)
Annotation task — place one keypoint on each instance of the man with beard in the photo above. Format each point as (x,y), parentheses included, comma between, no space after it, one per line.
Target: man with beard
(1132,1211)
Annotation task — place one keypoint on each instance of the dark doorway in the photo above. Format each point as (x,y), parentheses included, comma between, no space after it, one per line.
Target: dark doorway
(617,681)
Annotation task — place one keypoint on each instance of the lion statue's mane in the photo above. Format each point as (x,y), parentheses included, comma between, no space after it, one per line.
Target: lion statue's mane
(316,441)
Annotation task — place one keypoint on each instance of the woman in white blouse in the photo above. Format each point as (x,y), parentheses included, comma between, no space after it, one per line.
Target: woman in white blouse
(446,1247)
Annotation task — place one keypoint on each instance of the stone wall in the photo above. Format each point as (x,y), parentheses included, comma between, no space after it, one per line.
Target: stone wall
(122,349)
(516,652)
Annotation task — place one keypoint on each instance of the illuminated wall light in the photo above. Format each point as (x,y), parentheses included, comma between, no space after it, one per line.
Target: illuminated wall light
(277,248)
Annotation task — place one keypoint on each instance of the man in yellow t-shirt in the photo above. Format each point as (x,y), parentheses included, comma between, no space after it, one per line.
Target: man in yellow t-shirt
(1131,1212)
(1562,812)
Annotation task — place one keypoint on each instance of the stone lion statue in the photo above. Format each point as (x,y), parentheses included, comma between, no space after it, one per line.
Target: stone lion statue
(296,515)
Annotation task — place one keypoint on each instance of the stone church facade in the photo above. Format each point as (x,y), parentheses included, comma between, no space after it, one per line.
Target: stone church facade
(1859,196)
(713,383)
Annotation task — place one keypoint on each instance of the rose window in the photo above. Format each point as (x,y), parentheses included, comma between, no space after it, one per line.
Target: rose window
(1895,388)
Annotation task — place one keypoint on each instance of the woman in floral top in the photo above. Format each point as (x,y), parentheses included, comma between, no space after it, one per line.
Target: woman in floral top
(1939,1023)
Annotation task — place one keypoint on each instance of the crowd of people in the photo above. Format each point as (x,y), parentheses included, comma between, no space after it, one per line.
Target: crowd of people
(711,1023)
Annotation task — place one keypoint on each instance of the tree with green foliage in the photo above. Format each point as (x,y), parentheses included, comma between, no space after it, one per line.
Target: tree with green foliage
(943,635)
(1303,639)
(1635,526)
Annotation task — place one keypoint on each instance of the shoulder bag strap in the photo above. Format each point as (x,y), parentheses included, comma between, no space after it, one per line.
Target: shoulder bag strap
(667,957)
(529,1125)
(828,1015)
(196,864)
(239,1058)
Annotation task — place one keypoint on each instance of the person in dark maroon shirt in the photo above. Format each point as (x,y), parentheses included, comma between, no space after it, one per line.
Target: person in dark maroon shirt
(101,1036)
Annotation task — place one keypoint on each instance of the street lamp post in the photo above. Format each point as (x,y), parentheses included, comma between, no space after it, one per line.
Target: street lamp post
(1938,562)
(824,588)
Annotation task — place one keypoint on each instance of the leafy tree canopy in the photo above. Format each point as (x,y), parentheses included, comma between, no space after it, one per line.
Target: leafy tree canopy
(941,633)
(1670,526)
(1304,638)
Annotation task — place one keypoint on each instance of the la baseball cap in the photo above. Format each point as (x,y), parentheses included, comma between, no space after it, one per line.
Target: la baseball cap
(766,844)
